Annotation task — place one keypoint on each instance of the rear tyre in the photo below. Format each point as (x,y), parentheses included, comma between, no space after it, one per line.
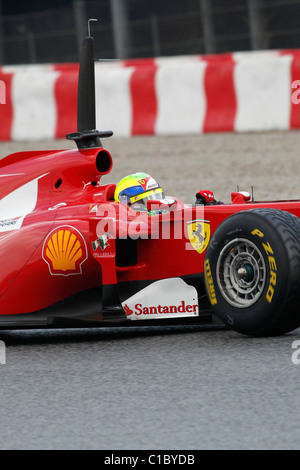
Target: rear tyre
(252,272)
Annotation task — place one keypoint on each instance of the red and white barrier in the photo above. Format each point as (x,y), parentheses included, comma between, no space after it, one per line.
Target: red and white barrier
(239,92)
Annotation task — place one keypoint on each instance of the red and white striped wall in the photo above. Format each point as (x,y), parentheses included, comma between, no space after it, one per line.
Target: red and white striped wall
(237,92)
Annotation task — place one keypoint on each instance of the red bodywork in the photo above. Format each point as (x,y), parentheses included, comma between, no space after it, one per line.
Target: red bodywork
(50,209)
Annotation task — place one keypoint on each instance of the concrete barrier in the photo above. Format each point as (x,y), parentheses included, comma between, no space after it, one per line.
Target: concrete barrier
(238,92)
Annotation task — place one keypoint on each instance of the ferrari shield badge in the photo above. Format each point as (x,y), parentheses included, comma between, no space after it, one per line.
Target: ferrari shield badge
(199,234)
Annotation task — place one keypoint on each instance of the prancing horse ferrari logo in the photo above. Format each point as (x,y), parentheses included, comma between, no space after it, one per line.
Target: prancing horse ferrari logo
(199,234)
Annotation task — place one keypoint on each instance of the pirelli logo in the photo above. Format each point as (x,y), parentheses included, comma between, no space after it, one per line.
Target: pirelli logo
(209,283)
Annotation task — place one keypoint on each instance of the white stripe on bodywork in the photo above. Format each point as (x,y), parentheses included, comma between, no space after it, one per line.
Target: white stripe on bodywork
(16,205)
(12,174)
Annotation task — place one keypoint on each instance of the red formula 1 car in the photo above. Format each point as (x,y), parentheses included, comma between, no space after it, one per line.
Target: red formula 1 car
(71,256)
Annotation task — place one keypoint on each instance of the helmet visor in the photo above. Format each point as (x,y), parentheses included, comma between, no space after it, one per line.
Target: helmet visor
(153,194)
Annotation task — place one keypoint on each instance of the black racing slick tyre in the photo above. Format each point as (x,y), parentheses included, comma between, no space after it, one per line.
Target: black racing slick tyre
(252,272)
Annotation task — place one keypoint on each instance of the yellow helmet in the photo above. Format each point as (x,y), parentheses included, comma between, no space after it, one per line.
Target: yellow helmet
(136,189)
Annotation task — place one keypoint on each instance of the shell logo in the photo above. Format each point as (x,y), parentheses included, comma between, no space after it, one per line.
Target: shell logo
(65,251)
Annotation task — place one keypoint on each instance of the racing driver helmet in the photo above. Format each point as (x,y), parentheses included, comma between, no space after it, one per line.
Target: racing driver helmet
(136,189)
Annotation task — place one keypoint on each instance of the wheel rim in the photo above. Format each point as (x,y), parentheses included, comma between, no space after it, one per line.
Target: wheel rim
(241,273)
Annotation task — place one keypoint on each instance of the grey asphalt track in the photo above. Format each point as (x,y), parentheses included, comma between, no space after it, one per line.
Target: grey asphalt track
(149,388)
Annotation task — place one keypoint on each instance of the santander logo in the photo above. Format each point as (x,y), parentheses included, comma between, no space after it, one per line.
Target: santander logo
(139,309)
(163,299)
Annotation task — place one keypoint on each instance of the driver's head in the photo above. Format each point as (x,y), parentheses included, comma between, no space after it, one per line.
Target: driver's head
(136,189)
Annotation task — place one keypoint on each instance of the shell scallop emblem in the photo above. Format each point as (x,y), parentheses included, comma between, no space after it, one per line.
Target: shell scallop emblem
(65,251)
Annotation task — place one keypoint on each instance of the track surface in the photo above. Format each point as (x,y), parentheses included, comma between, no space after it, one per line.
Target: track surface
(149,389)
(162,388)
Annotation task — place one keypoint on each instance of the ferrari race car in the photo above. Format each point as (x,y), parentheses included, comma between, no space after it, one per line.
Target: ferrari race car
(72,256)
